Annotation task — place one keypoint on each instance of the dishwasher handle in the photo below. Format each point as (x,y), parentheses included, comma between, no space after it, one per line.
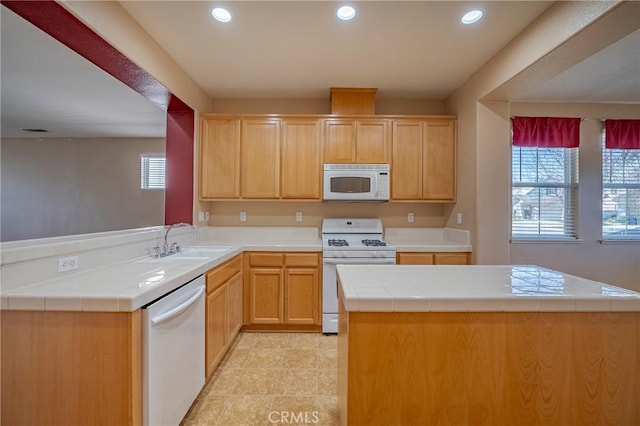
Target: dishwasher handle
(178,309)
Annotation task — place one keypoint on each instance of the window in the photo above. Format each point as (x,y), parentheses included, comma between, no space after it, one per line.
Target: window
(152,171)
(544,192)
(620,193)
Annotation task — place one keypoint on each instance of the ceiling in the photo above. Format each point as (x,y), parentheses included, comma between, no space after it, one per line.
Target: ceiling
(294,49)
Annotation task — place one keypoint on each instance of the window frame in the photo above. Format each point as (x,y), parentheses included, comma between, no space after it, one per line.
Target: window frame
(614,186)
(145,175)
(571,202)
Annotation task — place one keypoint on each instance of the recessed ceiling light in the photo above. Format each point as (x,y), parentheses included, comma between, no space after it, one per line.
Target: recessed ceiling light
(220,14)
(472,17)
(346,13)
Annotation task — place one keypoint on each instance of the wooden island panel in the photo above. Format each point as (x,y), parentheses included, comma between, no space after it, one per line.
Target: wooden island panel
(489,368)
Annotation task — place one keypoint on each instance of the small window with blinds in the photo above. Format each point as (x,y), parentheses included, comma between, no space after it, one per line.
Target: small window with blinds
(152,171)
(621,194)
(544,193)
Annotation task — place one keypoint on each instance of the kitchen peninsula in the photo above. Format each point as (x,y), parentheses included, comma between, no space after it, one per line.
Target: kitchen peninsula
(473,345)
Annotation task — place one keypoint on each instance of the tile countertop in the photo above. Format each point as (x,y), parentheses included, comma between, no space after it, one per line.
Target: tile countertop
(128,285)
(129,281)
(475,288)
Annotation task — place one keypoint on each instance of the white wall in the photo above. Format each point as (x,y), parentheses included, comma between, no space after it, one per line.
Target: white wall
(52,187)
(537,54)
(614,263)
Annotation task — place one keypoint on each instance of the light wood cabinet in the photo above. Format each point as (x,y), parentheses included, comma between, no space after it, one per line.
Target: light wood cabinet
(220,158)
(216,328)
(223,311)
(440,258)
(260,159)
(423,160)
(356,141)
(283,290)
(300,173)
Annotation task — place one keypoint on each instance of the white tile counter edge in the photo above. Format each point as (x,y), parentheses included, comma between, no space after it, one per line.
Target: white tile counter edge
(371,289)
(102,295)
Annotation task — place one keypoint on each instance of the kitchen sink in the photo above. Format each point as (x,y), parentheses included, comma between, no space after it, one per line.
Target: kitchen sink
(192,253)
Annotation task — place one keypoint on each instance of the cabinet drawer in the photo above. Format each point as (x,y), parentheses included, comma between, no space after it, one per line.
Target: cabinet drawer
(265,259)
(452,258)
(301,259)
(415,259)
(221,274)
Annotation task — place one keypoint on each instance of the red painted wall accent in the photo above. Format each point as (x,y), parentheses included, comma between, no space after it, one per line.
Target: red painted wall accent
(180,128)
(55,20)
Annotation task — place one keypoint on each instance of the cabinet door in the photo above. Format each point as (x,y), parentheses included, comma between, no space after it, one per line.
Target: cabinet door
(372,141)
(439,162)
(220,159)
(451,258)
(415,259)
(300,172)
(234,306)
(216,328)
(301,296)
(260,155)
(265,296)
(406,173)
(340,141)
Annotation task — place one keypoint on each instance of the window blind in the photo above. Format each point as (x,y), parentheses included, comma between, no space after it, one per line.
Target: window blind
(620,193)
(152,171)
(544,192)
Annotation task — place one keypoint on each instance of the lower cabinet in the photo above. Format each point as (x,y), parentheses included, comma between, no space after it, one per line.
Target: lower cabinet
(440,258)
(282,290)
(223,311)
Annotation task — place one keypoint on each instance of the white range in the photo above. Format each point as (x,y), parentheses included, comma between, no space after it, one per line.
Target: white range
(348,242)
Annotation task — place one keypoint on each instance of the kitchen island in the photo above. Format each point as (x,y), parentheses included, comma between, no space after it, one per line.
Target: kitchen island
(493,345)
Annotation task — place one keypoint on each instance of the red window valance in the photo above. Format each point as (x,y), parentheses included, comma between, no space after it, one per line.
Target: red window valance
(622,134)
(546,132)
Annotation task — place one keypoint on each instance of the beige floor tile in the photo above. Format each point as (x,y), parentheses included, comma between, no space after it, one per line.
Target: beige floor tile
(328,342)
(298,382)
(256,381)
(205,411)
(300,358)
(264,358)
(245,410)
(222,382)
(327,382)
(327,407)
(291,372)
(327,359)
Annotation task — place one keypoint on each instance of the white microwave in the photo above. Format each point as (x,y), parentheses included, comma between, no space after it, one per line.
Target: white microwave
(356,182)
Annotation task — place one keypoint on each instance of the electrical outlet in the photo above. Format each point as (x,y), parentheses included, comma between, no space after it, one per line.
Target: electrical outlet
(68,264)
(201,216)
(459,218)
(243,216)
(298,216)
(410,217)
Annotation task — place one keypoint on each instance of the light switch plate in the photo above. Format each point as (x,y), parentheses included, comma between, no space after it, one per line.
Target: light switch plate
(459,218)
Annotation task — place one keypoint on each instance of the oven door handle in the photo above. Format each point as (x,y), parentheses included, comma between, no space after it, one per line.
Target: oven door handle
(361,261)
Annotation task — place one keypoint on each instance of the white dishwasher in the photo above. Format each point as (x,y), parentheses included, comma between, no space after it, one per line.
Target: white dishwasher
(173,354)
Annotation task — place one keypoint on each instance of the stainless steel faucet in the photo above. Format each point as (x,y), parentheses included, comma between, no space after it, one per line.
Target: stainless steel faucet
(167,249)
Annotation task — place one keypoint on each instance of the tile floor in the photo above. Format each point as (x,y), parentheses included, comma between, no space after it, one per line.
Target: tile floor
(269,379)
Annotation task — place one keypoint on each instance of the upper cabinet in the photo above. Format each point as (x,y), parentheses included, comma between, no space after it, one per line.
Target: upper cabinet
(220,159)
(260,158)
(424,160)
(300,169)
(277,157)
(356,141)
